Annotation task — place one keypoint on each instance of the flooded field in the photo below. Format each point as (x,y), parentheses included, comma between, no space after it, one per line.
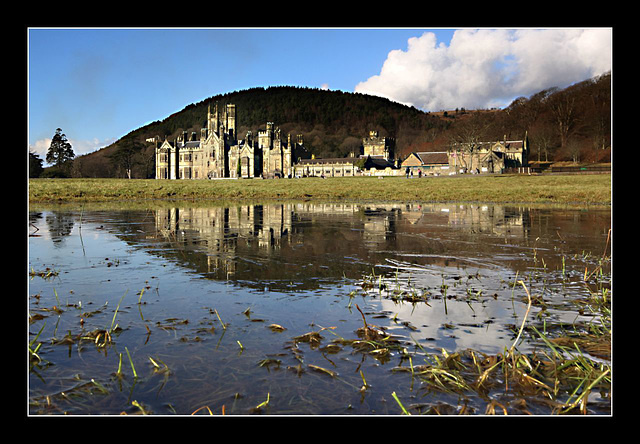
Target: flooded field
(319,309)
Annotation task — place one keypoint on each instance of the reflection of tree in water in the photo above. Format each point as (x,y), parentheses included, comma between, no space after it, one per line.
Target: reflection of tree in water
(60,225)
(33,219)
(34,216)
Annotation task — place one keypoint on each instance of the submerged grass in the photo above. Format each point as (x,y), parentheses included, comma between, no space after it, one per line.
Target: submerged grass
(569,363)
(564,189)
(557,379)
(556,382)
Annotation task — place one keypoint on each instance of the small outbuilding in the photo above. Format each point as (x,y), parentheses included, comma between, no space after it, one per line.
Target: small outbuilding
(427,162)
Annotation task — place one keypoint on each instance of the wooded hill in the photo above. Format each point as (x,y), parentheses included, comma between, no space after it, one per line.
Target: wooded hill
(571,124)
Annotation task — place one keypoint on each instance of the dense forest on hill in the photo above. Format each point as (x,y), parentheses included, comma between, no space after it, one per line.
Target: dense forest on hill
(572,124)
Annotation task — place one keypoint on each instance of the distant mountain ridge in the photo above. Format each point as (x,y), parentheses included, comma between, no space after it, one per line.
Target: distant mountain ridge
(303,109)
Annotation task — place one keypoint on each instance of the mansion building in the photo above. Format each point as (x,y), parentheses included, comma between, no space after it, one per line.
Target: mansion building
(218,153)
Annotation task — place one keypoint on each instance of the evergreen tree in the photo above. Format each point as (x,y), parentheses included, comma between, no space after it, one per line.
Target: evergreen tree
(126,155)
(60,152)
(35,165)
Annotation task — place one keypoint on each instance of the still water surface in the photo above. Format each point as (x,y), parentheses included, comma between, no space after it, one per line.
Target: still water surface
(195,290)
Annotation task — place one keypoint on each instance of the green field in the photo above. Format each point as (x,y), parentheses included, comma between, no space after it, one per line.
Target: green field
(561,189)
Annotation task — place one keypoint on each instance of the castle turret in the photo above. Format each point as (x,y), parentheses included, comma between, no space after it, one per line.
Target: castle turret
(381,147)
(265,138)
(212,119)
(174,167)
(231,120)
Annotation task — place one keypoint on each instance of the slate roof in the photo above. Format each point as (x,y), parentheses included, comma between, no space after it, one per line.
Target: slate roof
(430,158)
(378,163)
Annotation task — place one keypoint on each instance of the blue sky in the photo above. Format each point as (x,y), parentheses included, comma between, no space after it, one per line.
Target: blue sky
(99,84)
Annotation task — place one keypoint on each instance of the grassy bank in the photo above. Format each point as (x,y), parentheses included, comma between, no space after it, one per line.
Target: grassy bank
(562,189)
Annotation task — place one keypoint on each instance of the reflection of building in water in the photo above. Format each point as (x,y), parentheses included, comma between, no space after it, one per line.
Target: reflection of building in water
(327,208)
(481,218)
(220,229)
(376,222)
(246,240)
(380,224)
(264,229)
(493,219)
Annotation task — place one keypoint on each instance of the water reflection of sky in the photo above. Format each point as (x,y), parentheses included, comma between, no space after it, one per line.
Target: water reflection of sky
(475,323)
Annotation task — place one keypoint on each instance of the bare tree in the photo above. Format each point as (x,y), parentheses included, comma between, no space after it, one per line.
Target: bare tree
(76,169)
(351,144)
(147,161)
(543,138)
(574,147)
(467,138)
(565,115)
(600,112)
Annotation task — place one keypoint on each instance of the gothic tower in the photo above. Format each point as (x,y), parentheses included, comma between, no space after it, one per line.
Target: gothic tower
(212,119)
(231,121)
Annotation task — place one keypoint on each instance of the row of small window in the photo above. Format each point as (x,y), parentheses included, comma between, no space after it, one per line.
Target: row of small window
(187,157)
(183,157)
(183,173)
(327,172)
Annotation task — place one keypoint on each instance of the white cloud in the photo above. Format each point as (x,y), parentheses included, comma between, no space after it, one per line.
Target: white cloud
(324,87)
(40,147)
(488,68)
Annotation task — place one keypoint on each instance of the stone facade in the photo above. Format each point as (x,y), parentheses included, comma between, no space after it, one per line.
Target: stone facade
(489,157)
(379,147)
(219,154)
(428,163)
(377,158)
(482,157)
(328,167)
